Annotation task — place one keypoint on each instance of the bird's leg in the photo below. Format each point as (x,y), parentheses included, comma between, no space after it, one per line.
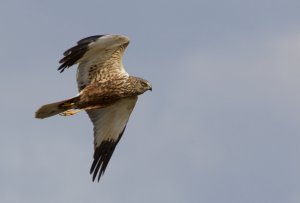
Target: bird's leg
(70,112)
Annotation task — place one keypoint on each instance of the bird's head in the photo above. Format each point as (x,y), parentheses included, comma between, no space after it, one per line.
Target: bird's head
(142,85)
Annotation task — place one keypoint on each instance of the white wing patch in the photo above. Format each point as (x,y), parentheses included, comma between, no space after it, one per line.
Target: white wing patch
(102,45)
(109,122)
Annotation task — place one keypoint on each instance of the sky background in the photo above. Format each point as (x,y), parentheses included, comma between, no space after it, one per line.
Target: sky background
(222,124)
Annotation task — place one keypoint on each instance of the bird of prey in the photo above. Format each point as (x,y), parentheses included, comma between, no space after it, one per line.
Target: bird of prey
(106,92)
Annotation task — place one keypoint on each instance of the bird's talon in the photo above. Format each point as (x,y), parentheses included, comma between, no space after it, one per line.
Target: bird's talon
(69,112)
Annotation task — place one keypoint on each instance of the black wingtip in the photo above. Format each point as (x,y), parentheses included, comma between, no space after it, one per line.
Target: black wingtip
(102,156)
(89,39)
(61,68)
(72,55)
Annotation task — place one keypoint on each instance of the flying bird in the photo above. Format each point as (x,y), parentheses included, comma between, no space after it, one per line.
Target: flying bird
(106,92)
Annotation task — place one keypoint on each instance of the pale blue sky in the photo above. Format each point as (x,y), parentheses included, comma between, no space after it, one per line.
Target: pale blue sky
(222,124)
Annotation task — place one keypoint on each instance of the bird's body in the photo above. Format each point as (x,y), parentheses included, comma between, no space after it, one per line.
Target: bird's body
(101,94)
(106,92)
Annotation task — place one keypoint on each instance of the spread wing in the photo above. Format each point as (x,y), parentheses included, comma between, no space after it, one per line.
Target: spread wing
(99,58)
(109,125)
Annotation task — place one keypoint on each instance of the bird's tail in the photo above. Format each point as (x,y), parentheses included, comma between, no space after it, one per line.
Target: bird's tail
(55,108)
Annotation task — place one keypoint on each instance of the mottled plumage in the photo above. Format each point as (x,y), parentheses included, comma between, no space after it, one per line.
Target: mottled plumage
(106,92)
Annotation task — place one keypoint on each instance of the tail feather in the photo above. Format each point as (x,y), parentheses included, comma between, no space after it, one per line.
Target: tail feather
(55,108)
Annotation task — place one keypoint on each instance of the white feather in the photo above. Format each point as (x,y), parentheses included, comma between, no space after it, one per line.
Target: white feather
(109,122)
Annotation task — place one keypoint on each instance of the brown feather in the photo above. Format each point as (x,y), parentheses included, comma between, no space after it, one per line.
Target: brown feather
(102,94)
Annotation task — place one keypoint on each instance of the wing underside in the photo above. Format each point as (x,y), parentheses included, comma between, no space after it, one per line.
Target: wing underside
(74,54)
(99,58)
(109,126)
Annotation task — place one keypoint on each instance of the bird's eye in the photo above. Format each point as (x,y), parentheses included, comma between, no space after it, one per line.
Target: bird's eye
(145,84)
